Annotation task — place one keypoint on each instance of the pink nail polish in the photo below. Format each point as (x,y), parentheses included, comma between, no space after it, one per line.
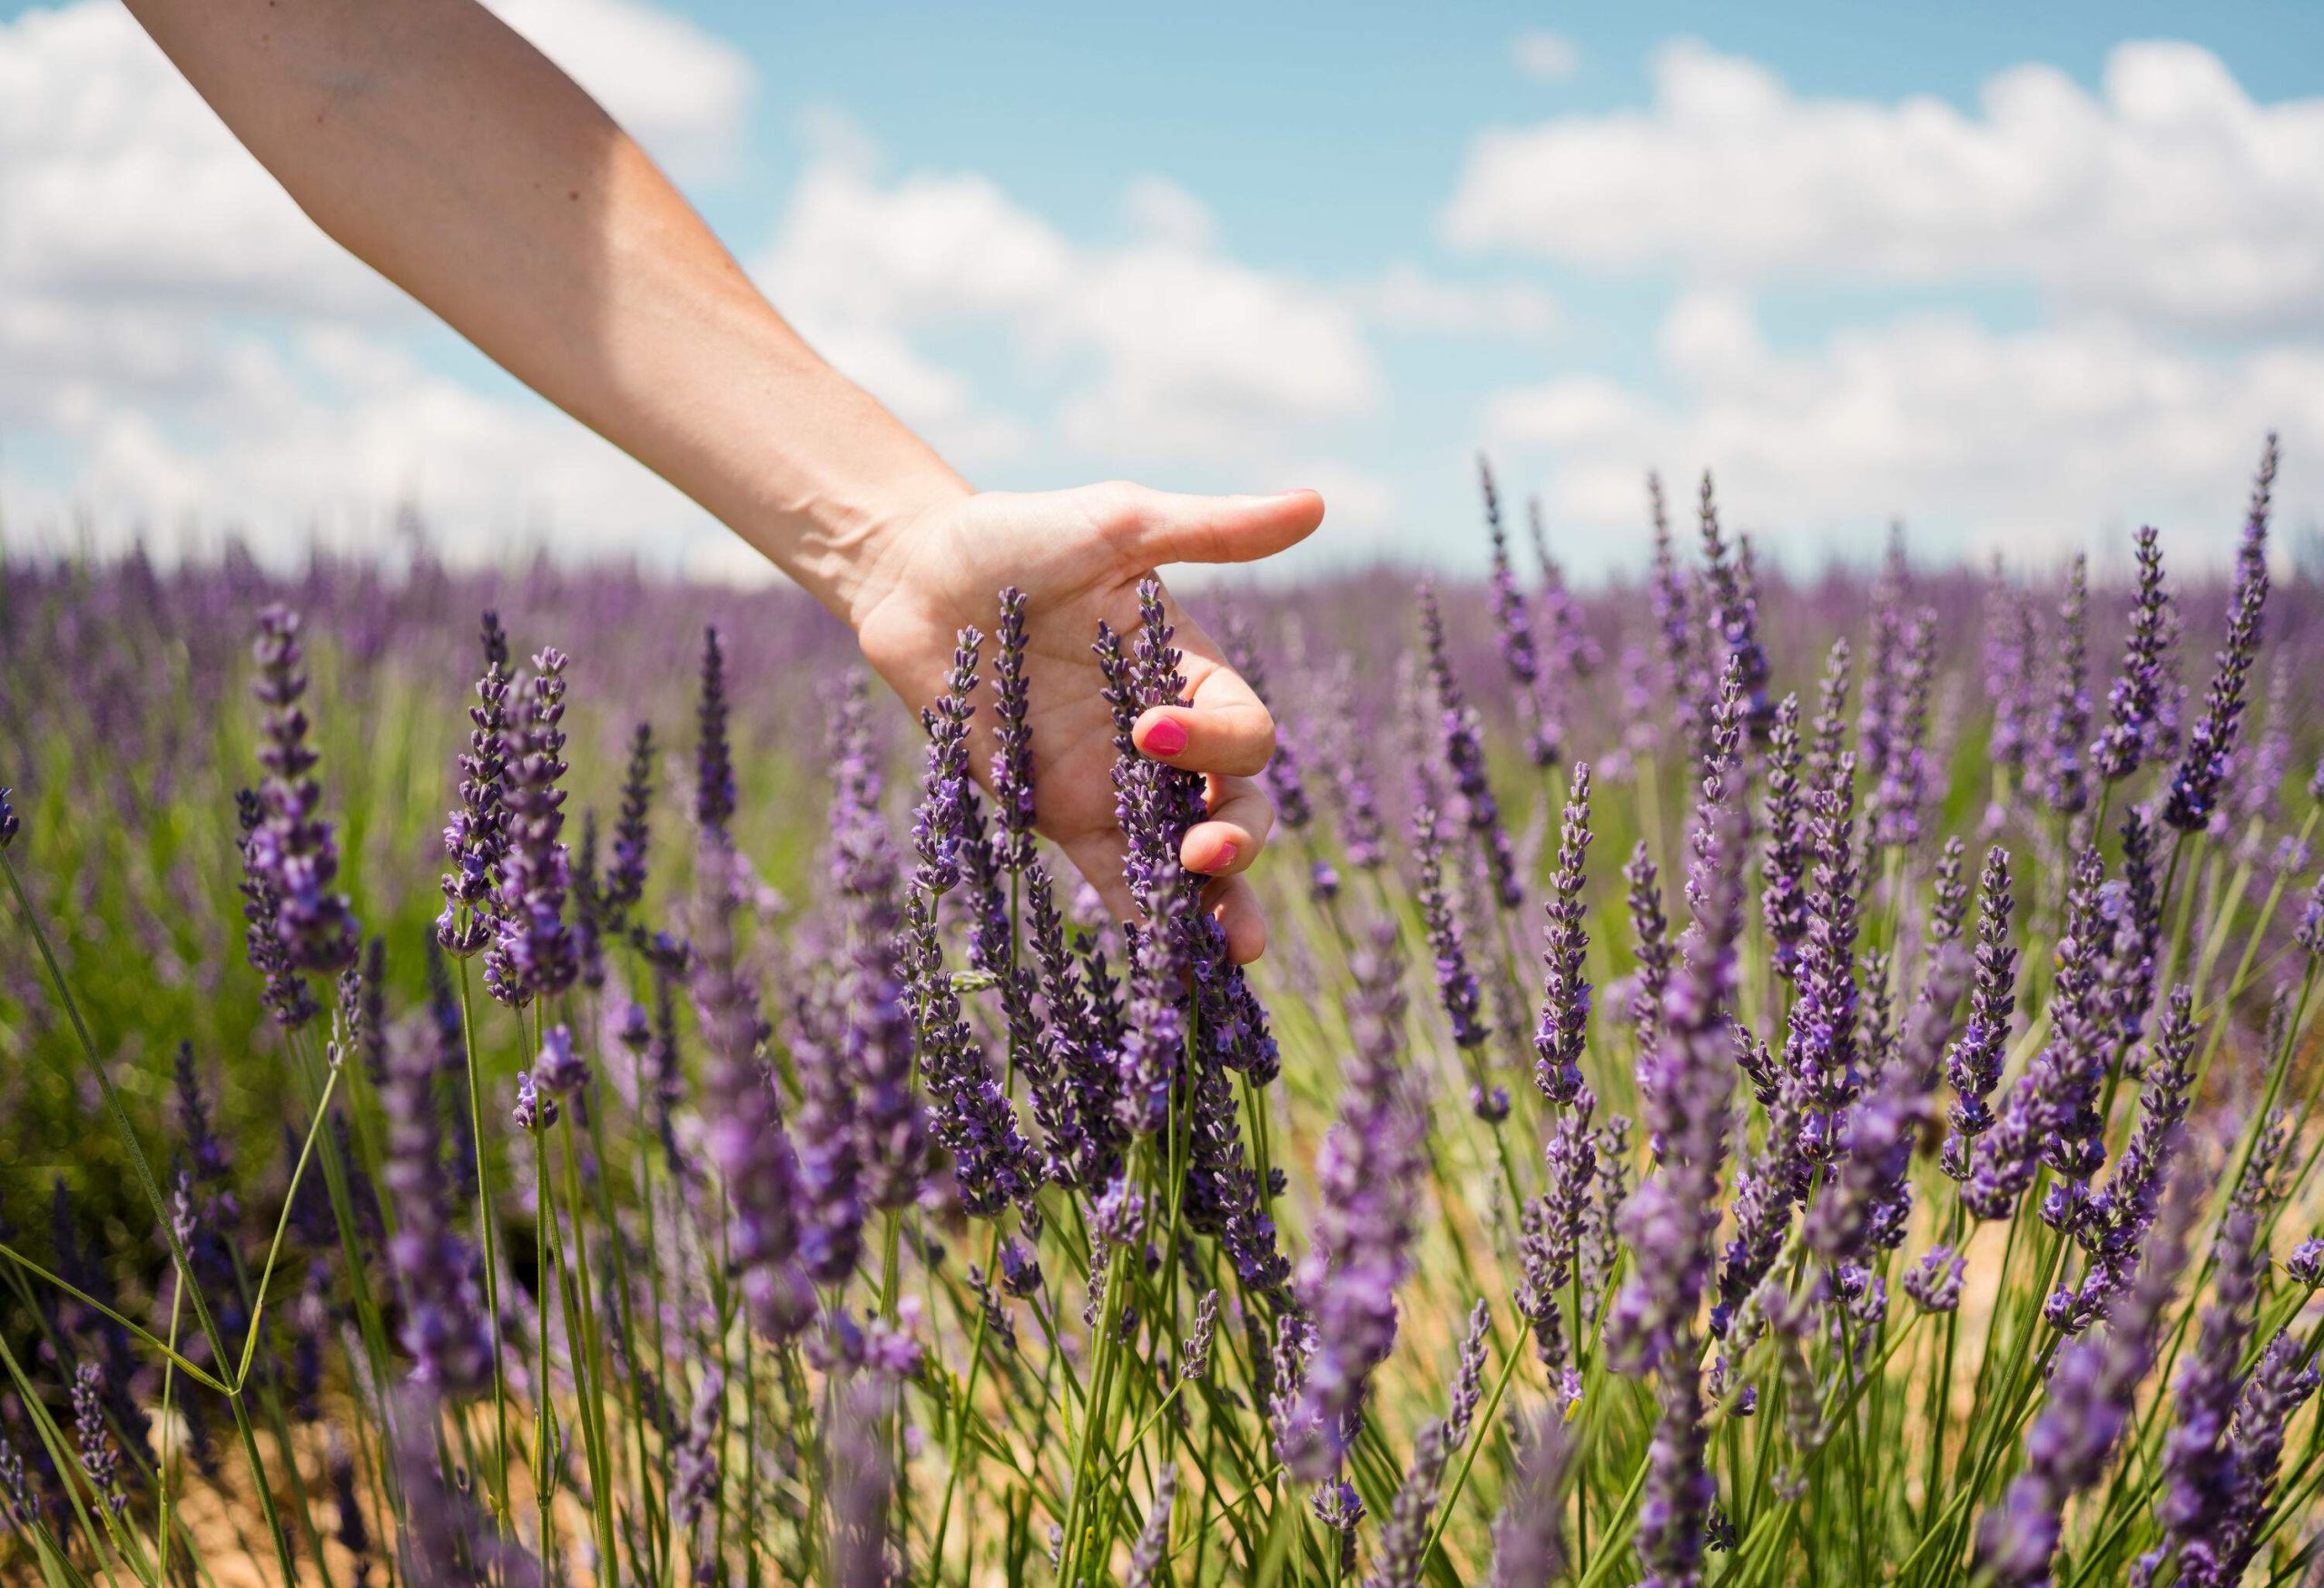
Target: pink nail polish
(1227,853)
(1165,737)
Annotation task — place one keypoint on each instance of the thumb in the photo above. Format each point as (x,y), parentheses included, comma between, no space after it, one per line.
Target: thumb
(1183,529)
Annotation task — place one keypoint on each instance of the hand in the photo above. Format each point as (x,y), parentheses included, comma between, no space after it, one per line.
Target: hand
(1079,555)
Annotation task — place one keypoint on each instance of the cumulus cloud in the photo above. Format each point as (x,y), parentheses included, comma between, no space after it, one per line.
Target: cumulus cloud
(2031,442)
(1407,297)
(2168,195)
(1161,346)
(198,355)
(1544,56)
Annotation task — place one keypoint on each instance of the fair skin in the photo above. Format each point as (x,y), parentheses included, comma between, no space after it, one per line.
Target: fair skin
(439,147)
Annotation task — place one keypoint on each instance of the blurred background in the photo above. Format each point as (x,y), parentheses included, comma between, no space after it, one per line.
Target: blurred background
(2026,280)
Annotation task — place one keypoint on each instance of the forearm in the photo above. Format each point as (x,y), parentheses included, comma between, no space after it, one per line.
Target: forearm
(441,149)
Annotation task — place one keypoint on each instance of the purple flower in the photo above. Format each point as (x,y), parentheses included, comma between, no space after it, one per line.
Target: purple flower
(2195,786)
(1900,777)
(2011,646)
(1362,834)
(1973,1067)
(1565,991)
(2118,1218)
(1286,779)
(1783,858)
(892,1133)
(632,831)
(743,1120)
(436,1273)
(291,854)
(1012,734)
(1550,1232)
(2090,1403)
(100,1456)
(1457,985)
(477,832)
(1820,1046)
(9,825)
(1154,1533)
(2135,699)
(1934,1281)
(532,954)
(2305,1264)
(1528,1537)
(559,1070)
(1734,617)
(2065,781)
(1513,627)
(1650,941)
(2309,934)
(714,794)
(2197,1467)
(1368,1175)
(1675,623)
(1464,753)
(2276,1388)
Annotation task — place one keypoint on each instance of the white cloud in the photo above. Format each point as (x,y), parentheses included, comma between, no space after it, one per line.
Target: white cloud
(201,355)
(1544,56)
(1407,297)
(1163,347)
(2030,442)
(2170,195)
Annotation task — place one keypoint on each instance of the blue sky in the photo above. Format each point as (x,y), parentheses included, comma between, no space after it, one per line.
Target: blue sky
(2023,276)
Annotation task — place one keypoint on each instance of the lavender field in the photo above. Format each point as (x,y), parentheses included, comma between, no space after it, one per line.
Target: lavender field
(550,1077)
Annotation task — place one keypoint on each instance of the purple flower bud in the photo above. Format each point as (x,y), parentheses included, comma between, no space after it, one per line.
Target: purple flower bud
(1783,858)
(1735,619)
(2135,699)
(633,831)
(1464,753)
(1528,1542)
(1403,1537)
(1457,985)
(1012,733)
(1934,1281)
(1972,1068)
(2011,646)
(478,832)
(2065,781)
(532,954)
(1154,1533)
(2305,1264)
(2195,786)
(1513,627)
(714,793)
(290,857)
(1565,993)
(533,1110)
(8,823)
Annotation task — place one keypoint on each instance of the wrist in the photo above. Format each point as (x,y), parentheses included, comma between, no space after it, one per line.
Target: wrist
(839,515)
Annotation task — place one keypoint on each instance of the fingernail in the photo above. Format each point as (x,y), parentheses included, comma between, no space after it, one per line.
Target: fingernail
(1166,737)
(1227,853)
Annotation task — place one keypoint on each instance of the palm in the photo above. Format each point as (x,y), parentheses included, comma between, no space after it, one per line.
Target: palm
(1078,556)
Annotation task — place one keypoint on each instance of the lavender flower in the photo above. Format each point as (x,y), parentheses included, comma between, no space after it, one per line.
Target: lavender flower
(1783,858)
(828,1141)
(477,835)
(445,1326)
(892,1131)
(1368,1175)
(2011,645)
(9,824)
(100,1456)
(1286,779)
(714,793)
(290,853)
(1820,1045)
(532,954)
(1735,619)
(1973,1067)
(1934,1281)
(743,1121)
(1565,993)
(1513,627)
(2198,1487)
(2195,786)
(2305,1264)
(1012,734)
(1154,1534)
(1457,985)
(2065,783)
(1901,775)
(632,831)
(2276,1388)
(2135,699)
(1528,1542)
(1464,753)
(1650,942)
(1550,1233)
(1675,623)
